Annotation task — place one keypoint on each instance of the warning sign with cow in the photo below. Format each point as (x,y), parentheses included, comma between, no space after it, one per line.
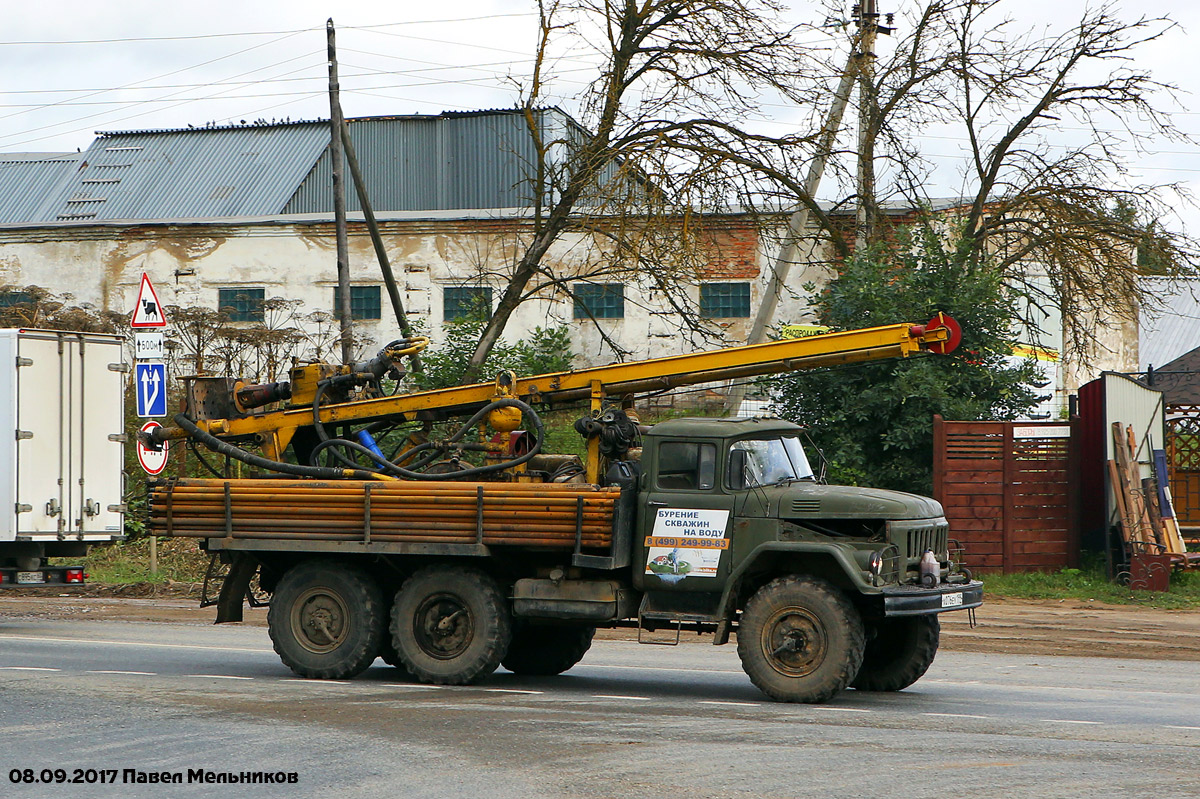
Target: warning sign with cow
(149,311)
(686,542)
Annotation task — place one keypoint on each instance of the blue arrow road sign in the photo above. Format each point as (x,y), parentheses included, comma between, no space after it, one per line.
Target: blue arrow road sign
(150,380)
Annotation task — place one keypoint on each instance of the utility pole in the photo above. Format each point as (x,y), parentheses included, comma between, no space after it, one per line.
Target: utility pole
(385,264)
(339,198)
(860,66)
(868,25)
(798,221)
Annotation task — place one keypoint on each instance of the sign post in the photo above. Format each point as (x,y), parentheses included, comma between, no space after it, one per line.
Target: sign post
(149,372)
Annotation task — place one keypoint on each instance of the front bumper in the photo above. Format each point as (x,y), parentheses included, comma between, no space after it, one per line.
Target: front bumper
(916,600)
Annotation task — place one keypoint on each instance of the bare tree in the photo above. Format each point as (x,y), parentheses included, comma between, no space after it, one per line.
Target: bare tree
(671,70)
(1048,121)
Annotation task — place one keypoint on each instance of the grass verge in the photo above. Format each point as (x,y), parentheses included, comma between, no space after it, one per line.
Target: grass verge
(1090,583)
(128,562)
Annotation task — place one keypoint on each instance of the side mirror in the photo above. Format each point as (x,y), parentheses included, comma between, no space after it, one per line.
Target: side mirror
(737,469)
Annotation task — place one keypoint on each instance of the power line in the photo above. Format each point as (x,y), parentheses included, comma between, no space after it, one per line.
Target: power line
(197,36)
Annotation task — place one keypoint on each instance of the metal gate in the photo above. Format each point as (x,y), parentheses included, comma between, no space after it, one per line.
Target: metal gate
(1010,492)
(1183,460)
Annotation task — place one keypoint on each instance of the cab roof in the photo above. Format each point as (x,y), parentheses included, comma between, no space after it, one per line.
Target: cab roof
(697,427)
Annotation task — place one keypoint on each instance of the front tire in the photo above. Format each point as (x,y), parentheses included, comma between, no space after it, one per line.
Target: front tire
(326,620)
(900,653)
(800,640)
(543,650)
(450,626)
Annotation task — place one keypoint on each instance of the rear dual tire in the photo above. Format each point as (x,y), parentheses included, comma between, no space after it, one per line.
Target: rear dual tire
(450,625)
(326,620)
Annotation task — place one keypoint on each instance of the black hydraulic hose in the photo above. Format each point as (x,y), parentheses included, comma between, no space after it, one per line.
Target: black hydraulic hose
(333,444)
(225,448)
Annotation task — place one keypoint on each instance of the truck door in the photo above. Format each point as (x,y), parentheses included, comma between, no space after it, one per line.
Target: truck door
(685,518)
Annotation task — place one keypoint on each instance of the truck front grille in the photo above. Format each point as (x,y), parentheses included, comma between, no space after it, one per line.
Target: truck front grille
(932,537)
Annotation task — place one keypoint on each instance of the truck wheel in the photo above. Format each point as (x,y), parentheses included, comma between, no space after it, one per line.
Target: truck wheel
(450,626)
(326,620)
(545,649)
(800,640)
(899,654)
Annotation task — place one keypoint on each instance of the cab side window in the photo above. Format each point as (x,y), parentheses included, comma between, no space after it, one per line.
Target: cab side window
(687,466)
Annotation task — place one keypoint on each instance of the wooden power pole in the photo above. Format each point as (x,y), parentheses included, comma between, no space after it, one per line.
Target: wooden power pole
(339,199)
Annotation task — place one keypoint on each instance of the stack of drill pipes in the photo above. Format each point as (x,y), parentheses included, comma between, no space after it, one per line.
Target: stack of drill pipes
(399,511)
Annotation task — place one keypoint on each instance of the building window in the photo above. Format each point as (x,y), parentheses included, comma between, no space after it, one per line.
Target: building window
(10,298)
(599,300)
(242,304)
(462,302)
(725,300)
(364,302)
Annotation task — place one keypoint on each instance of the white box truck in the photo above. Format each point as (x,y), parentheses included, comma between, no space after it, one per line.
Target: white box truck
(62,447)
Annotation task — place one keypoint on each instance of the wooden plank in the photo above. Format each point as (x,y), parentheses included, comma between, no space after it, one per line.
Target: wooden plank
(954,475)
(976,501)
(1151,534)
(1034,562)
(1040,513)
(965,488)
(1009,468)
(975,514)
(978,525)
(1118,489)
(1041,547)
(1135,511)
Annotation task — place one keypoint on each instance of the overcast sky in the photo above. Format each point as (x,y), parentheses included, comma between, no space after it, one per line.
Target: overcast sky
(71,68)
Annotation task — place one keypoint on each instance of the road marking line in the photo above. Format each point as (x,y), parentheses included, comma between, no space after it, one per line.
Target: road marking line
(415,687)
(509,691)
(730,704)
(131,643)
(137,673)
(1179,727)
(843,709)
(658,668)
(956,715)
(26,668)
(1070,721)
(308,680)
(217,677)
(629,698)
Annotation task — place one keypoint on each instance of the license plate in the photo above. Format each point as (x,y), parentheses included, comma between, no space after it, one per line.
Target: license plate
(30,577)
(952,600)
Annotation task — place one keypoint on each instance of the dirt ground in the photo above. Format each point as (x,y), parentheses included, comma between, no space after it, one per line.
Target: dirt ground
(1008,626)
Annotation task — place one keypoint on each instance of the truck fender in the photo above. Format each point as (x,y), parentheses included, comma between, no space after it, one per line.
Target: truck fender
(833,558)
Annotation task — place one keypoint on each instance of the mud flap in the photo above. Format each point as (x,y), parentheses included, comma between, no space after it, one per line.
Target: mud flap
(234,588)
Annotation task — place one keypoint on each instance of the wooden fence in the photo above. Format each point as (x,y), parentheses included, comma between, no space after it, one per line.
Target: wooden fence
(1010,492)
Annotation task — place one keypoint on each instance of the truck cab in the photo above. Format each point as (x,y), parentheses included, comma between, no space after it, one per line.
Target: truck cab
(729,508)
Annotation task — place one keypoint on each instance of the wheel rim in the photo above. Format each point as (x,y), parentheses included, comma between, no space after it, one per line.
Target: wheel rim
(443,626)
(794,641)
(320,620)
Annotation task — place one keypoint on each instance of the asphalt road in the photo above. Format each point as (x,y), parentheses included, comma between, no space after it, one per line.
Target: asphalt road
(630,721)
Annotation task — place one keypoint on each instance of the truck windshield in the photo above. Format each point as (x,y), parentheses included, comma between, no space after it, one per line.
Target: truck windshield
(767,461)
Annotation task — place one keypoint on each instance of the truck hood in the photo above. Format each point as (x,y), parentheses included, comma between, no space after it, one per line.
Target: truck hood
(811,501)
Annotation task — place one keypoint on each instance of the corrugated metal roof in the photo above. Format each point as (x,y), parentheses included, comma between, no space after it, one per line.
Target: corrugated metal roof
(196,173)
(1175,329)
(453,160)
(28,179)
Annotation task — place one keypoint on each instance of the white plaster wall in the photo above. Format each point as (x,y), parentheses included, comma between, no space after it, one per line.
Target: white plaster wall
(189,264)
